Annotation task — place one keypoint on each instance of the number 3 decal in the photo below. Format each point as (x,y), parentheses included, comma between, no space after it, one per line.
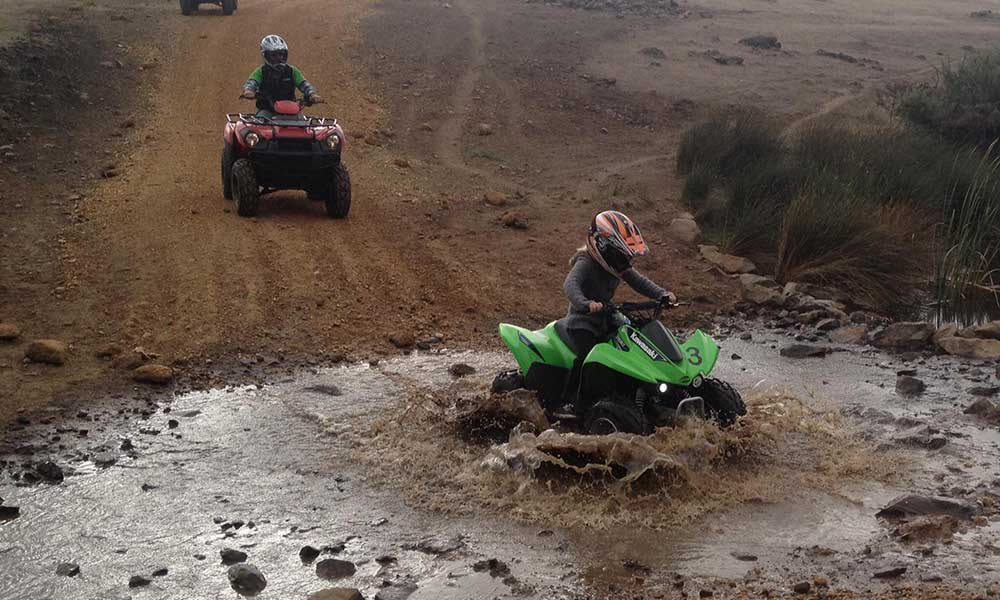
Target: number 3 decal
(695,356)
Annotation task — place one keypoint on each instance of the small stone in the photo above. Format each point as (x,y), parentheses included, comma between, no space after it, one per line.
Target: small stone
(484,129)
(514,219)
(461,370)
(333,568)
(155,374)
(9,332)
(653,52)
(821,582)
(762,42)
(805,351)
(50,471)
(402,163)
(438,545)
(859,317)
(726,262)
(398,591)
(889,572)
(849,335)
(308,554)
(426,127)
(984,391)
(126,445)
(909,386)
(9,512)
(246,580)
(336,594)
(802,587)
(161,572)
(52,352)
(684,230)
(828,324)
(232,557)
(68,570)
(983,407)
(403,340)
(173,424)
(911,335)
(495,198)
(138,581)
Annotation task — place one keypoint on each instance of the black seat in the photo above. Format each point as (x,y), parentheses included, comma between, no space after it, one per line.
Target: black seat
(564,335)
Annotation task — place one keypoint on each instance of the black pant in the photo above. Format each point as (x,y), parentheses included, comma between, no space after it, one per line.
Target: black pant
(583,341)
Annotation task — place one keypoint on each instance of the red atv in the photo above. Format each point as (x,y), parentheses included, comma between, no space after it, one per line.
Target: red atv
(287,151)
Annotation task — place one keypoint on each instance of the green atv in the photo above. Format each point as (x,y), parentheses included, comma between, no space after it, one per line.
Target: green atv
(637,380)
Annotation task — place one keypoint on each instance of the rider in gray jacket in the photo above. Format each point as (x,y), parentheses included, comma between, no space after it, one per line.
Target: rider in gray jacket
(596,270)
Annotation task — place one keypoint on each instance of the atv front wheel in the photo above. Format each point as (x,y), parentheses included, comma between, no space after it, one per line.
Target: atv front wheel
(338,198)
(723,403)
(228,158)
(246,192)
(507,381)
(607,417)
(228,6)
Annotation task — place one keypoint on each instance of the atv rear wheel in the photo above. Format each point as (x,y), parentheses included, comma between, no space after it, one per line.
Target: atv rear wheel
(507,381)
(187,6)
(228,158)
(228,6)
(246,192)
(607,417)
(338,197)
(723,403)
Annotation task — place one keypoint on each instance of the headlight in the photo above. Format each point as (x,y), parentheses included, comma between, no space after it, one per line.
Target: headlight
(697,381)
(332,141)
(252,139)
(663,388)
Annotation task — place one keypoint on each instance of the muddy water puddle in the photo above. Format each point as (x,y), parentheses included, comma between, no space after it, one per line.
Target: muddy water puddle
(280,460)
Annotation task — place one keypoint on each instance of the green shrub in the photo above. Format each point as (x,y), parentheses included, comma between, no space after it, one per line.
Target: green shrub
(728,142)
(963,105)
(698,186)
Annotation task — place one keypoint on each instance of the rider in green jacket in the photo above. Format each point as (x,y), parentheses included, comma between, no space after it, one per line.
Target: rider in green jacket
(276,80)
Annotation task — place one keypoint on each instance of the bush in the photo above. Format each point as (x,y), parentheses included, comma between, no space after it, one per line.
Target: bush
(729,142)
(963,105)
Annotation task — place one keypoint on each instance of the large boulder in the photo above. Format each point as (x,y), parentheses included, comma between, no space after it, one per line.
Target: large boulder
(907,335)
(947,331)
(684,230)
(52,352)
(914,505)
(989,331)
(726,262)
(850,335)
(971,348)
(761,290)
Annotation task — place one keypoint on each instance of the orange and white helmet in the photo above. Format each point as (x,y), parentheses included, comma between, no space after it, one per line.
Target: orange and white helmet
(614,240)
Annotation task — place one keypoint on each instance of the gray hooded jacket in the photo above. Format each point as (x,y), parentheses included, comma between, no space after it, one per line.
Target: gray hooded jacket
(590,282)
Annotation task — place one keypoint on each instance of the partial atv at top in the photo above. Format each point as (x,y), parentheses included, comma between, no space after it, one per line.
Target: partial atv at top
(190,6)
(638,379)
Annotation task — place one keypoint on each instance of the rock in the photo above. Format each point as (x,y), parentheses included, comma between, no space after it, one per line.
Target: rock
(246,580)
(231,556)
(336,594)
(762,42)
(161,572)
(922,436)
(495,567)
(325,389)
(828,324)
(928,528)
(484,129)
(109,351)
(906,335)
(52,352)
(849,335)
(802,587)
(984,391)
(889,572)
(761,290)
(398,591)
(909,386)
(9,512)
(744,557)
(910,505)
(438,545)
(859,316)
(334,568)
(68,570)
(971,348)
(308,554)
(155,374)
(947,331)
(514,219)
(837,55)
(128,361)
(426,127)
(495,198)
(726,262)
(50,471)
(821,582)
(105,459)
(983,407)
(403,340)
(684,230)
(9,332)
(461,370)
(989,331)
(805,351)
(653,52)
(138,581)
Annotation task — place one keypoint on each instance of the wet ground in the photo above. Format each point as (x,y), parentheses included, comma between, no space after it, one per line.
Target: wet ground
(269,469)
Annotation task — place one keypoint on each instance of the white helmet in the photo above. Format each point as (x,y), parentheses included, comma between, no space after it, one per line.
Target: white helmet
(274,50)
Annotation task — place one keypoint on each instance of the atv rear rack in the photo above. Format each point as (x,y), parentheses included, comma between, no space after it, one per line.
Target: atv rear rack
(253,119)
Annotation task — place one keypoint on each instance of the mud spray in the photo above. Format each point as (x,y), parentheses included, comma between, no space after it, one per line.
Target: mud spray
(429,451)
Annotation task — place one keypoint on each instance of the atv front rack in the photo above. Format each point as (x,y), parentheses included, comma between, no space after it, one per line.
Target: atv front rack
(254,119)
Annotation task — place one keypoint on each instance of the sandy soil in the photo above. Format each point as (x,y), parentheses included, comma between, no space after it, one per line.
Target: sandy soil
(114,231)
